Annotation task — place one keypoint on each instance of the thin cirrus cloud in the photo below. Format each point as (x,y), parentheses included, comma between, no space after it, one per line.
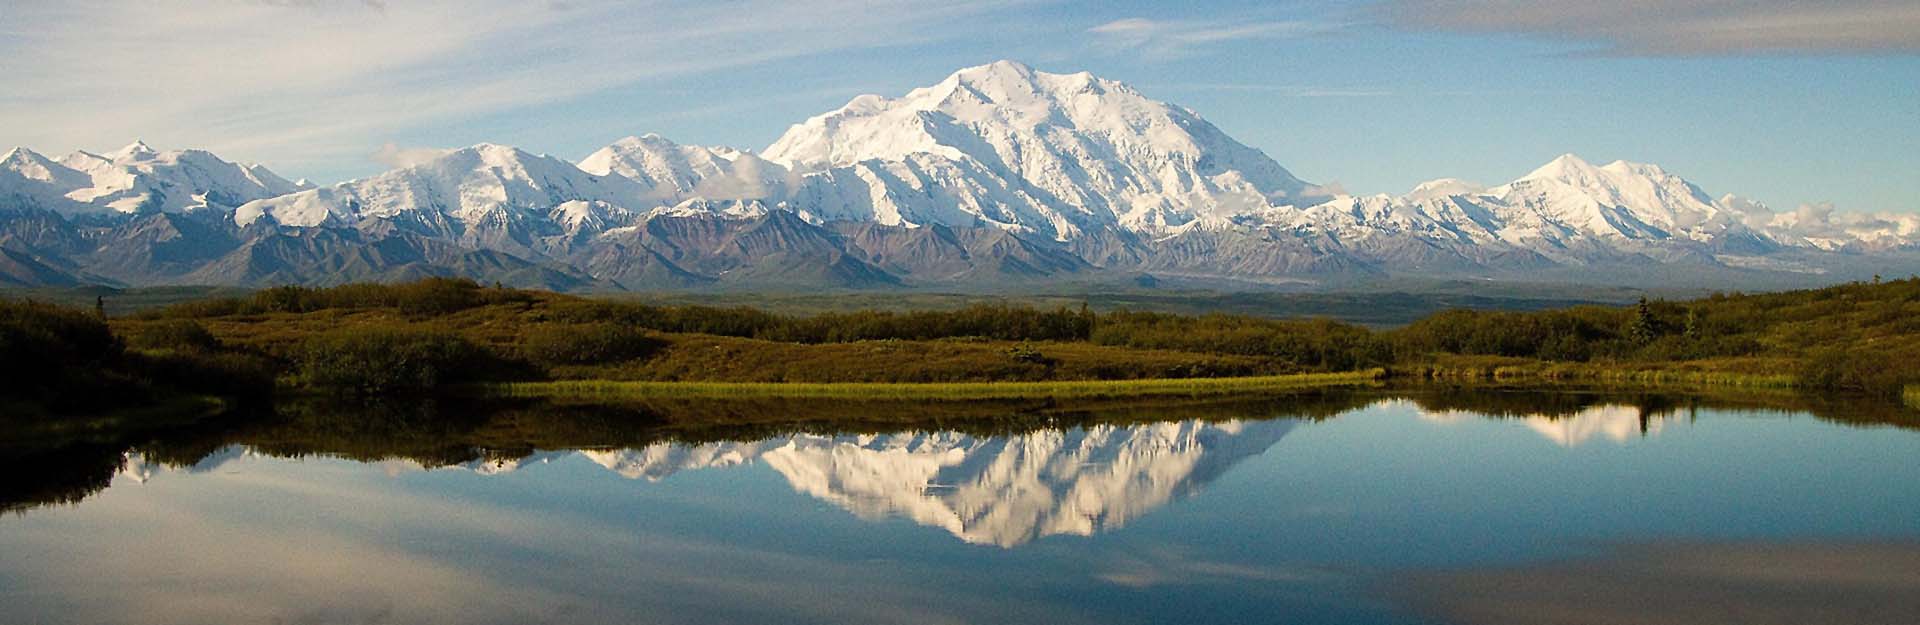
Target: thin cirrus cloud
(319,83)
(1682,27)
(1182,37)
(1285,91)
(396,156)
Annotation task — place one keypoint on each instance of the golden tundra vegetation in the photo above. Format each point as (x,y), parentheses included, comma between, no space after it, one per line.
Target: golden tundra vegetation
(438,333)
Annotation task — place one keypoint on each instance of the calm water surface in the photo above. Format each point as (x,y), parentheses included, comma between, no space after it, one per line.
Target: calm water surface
(1376,509)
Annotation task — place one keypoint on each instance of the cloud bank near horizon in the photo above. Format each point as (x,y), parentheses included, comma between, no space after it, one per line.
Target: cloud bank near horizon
(1683,27)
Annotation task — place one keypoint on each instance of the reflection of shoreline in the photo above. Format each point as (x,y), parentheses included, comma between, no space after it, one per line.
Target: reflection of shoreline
(1676,583)
(1613,422)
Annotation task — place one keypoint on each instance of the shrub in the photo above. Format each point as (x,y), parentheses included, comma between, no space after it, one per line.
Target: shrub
(173,335)
(198,309)
(388,360)
(62,360)
(1027,353)
(42,345)
(1854,370)
(593,343)
(436,296)
(226,374)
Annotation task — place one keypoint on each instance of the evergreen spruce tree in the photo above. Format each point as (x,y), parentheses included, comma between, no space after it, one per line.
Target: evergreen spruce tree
(1640,329)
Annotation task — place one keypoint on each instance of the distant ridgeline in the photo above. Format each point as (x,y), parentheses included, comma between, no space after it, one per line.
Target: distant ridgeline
(438,334)
(997,176)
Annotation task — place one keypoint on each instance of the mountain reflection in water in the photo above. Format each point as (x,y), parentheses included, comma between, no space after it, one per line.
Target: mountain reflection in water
(1613,422)
(996,490)
(1380,506)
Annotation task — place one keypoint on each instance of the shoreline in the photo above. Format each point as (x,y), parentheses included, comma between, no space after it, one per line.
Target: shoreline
(1088,389)
(1548,374)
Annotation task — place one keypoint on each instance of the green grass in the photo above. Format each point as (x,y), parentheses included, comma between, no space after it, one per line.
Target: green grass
(1755,373)
(1601,374)
(932,391)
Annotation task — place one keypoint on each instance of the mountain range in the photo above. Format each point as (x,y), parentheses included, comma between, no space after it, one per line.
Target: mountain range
(998,175)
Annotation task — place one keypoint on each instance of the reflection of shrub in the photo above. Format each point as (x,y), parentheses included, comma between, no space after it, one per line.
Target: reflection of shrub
(385,360)
(585,344)
(174,335)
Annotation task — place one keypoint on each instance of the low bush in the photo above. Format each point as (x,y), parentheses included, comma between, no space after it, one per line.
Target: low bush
(1854,370)
(388,360)
(172,335)
(586,344)
(225,374)
(49,351)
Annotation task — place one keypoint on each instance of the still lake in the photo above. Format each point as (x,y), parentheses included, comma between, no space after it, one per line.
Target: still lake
(1373,507)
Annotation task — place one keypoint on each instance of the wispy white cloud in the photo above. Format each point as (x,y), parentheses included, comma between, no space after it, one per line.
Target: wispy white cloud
(1683,27)
(308,82)
(393,155)
(1289,91)
(1180,37)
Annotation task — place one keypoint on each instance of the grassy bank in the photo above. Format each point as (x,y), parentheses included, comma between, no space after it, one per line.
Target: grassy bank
(933,391)
(1725,373)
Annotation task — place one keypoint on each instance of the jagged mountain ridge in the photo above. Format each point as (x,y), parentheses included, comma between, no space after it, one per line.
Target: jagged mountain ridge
(997,173)
(136,179)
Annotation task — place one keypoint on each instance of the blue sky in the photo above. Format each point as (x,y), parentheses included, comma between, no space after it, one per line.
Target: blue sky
(1774,100)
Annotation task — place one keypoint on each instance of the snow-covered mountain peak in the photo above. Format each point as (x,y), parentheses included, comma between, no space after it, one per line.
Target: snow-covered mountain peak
(136,179)
(138,150)
(493,154)
(1618,180)
(1053,154)
(1011,90)
(1004,94)
(655,170)
(1444,187)
(31,165)
(485,181)
(1567,167)
(631,154)
(1636,169)
(1621,199)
